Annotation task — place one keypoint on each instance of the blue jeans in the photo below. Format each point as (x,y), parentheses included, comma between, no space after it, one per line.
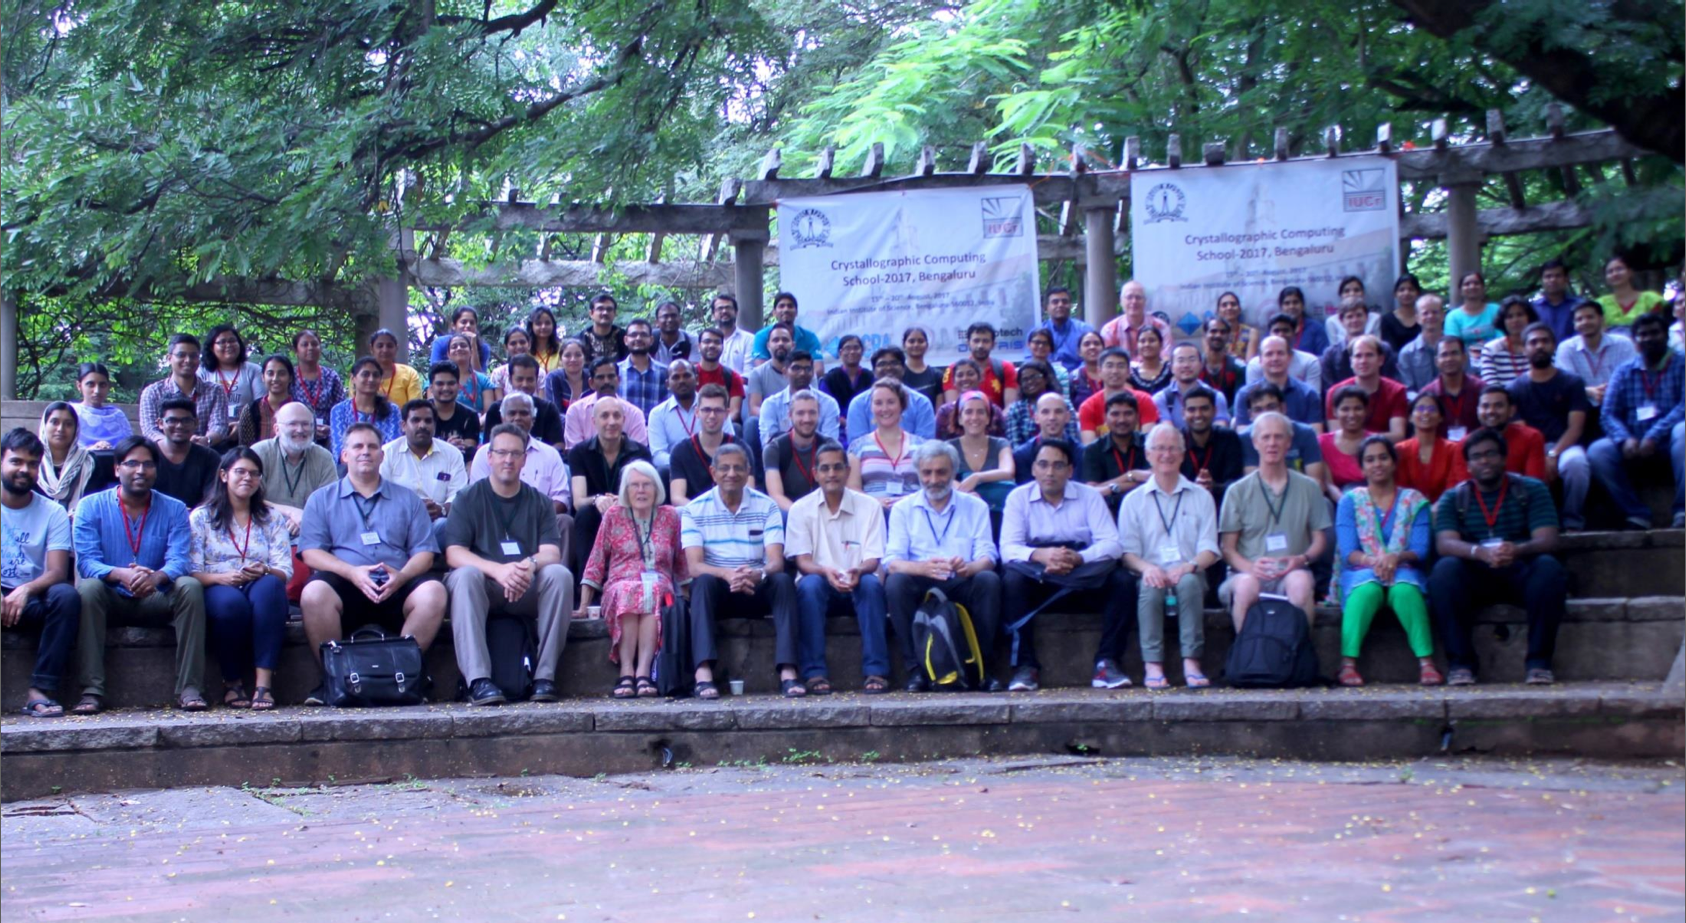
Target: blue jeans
(58,613)
(1611,469)
(816,598)
(247,625)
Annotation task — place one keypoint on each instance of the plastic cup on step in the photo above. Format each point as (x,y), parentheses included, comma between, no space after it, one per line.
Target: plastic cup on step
(737,686)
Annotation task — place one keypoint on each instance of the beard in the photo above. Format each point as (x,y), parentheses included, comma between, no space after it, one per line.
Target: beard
(17,487)
(1541,360)
(936,494)
(293,446)
(781,355)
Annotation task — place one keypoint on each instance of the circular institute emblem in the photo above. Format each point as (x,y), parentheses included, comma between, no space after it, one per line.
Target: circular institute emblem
(1165,203)
(810,228)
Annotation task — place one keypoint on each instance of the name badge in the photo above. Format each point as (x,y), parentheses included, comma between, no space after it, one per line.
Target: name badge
(371,538)
(1168,554)
(1646,412)
(442,476)
(233,412)
(321,421)
(649,579)
(513,549)
(1276,541)
(1457,433)
(893,488)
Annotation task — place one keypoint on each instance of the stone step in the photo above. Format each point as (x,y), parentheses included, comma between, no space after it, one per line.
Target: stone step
(1602,639)
(303,746)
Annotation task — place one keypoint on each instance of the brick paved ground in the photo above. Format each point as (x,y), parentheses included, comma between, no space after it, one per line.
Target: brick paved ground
(1045,839)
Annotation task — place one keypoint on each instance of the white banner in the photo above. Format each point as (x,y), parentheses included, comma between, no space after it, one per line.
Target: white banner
(874,264)
(1254,228)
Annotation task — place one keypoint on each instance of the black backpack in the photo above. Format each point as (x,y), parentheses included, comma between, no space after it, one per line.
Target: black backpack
(1273,649)
(676,674)
(513,646)
(946,644)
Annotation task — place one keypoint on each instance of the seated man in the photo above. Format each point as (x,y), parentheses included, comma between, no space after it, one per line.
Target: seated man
(1113,464)
(835,537)
(939,539)
(1457,391)
(455,423)
(1554,402)
(1305,453)
(1060,545)
(1642,416)
(294,467)
(775,410)
(371,547)
(643,380)
(1418,358)
(1273,527)
(1336,362)
(547,425)
(506,558)
(1387,397)
(213,422)
(1115,378)
(1185,377)
(1169,532)
(693,458)
(581,425)
(1053,419)
(674,420)
(1525,445)
(35,569)
(733,536)
(431,467)
(1212,456)
(131,551)
(1300,401)
(544,470)
(1297,363)
(790,458)
(186,469)
(1495,534)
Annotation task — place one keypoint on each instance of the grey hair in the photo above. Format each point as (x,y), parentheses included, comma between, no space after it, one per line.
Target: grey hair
(1275,417)
(644,468)
(806,394)
(1163,427)
(516,401)
(931,448)
(732,448)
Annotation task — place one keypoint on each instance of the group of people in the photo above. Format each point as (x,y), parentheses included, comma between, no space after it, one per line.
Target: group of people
(615,470)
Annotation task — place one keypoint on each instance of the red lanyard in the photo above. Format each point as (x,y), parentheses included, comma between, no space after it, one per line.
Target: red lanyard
(1199,464)
(134,537)
(312,395)
(1651,381)
(389,383)
(807,470)
(901,451)
(703,457)
(238,546)
(1499,504)
(691,427)
(1122,468)
(227,386)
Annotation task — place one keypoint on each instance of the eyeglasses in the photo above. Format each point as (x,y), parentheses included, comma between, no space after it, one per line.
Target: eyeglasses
(136,465)
(243,473)
(507,453)
(711,410)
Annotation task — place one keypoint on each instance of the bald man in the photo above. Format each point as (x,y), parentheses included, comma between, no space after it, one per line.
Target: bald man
(294,466)
(1121,331)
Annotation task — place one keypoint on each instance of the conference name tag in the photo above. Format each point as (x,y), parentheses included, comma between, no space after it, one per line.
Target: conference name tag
(893,488)
(1168,554)
(511,548)
(1457,433)
(233,412)
(1646,413)
(1276,541)
(371,538)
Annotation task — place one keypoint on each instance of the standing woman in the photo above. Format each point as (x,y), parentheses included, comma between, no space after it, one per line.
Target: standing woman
(986,461)
(465,321)
(847,378)
(474,388)
(1429,463)
(881,462)
(1476,319)
(367,404)
(568,382)
(1243,337)
(257,423)
(596,467)
(1086,378)
(1625,303)
(1504,358)
(1149,372)
(101,425)
(243,555)
(1040,342)
(68,471)
(639,537)
(1309,336)
(546,340)
(314,385)
(399,383)
(517,342)
(1400,325)
(926,379)
(1340,446)
(1381,541)
(224,365)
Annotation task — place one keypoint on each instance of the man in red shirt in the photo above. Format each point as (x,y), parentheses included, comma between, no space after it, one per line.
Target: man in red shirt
(1525,445)
(710,372)
(1387,397)
(1459,392)
(1115,377)
(1000,379)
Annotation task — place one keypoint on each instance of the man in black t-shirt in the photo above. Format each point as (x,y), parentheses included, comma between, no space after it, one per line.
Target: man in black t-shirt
(1116,463)
(690,468)
(462,427)
(1554,402)
(789,459)
(1212,456)
(547,420)
(186,470)
(506,554)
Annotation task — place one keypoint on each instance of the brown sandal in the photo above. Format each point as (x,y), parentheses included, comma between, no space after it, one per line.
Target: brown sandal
(89,704)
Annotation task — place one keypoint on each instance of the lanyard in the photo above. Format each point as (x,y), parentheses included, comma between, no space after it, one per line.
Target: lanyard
(1499,504)
(690,425)
(228,386)
(901,450)
(1382,528)
(365,511)
(312,393)
(725,439)
(544,360)
(1275,509)
(422,486)
(1594,360)
(1452,407)
(939,539)
(645,534)
(1122,468)
(508,522)
(134,538)
(1201,464)
(1168,523)
(387,390)
(1650,381)
(241,546)
(807,470)
(292,480)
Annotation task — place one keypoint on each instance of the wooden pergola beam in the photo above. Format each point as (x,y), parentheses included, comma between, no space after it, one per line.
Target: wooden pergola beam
(449,273)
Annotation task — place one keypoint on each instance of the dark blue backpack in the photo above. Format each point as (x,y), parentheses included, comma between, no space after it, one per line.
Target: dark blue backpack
(1273,649)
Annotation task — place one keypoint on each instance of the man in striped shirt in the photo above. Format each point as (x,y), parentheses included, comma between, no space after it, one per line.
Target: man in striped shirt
(733,536)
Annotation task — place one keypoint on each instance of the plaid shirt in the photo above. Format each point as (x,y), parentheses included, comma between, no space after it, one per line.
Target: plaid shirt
(1634,386)
(644,389)
(212,407)
(1021,423)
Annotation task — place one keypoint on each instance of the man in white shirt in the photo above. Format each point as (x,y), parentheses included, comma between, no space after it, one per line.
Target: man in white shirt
(736,344)
(835,537)
(675,420)
(939,538)
(1169,531)
(433,468)
(1592,353)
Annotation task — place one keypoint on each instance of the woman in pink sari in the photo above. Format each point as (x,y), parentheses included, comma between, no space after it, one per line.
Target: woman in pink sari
(638,566)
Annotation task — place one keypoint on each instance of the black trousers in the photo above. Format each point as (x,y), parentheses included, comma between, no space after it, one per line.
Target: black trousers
(1115,600)
(1458,589)
(712,599)
(980,594)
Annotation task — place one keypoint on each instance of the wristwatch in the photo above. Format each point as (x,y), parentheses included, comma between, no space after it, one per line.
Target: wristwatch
(1551,452)
(1112,487)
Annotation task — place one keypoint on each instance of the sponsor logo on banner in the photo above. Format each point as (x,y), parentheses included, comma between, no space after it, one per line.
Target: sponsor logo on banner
(1003,217)
(1165,203)
(811,228)
(1362,191)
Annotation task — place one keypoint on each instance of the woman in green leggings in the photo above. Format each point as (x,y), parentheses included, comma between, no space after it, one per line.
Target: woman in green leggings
(1381,537)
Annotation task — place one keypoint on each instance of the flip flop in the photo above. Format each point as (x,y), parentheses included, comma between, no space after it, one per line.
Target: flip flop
(1156,682)
(43,708)
(1196,681)
(793,688)
(705,689)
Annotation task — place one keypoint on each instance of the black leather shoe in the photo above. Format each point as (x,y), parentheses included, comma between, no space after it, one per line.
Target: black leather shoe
(318,696)
(993,685)
(544,691)
(485,692)
(916,682)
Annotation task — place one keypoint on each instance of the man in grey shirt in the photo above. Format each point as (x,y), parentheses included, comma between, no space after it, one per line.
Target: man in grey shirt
(1272,526)
(1416,358)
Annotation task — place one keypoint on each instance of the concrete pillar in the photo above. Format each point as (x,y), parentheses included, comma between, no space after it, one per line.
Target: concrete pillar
(748,256)
(392,297)
(1463,235)
(1100,276)
(8,347)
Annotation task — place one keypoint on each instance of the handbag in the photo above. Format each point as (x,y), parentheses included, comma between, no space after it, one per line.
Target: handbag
(370,668)
(675,671)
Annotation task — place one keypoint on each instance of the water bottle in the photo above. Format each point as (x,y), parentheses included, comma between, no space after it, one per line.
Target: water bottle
(1171,602)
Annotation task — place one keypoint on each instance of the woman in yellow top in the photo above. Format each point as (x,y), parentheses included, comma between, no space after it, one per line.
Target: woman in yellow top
(399,383)
(1625,303)
(1244,339)
(545,337)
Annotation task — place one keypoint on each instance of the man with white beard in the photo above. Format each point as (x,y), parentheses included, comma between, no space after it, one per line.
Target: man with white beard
(294,466)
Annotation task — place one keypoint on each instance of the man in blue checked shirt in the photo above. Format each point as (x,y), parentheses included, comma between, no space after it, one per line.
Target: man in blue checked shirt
(1642,415)
(643,380)
(1065,331)
(131,554)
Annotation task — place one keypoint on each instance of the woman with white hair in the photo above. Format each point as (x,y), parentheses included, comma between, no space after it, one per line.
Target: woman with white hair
(638,566)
